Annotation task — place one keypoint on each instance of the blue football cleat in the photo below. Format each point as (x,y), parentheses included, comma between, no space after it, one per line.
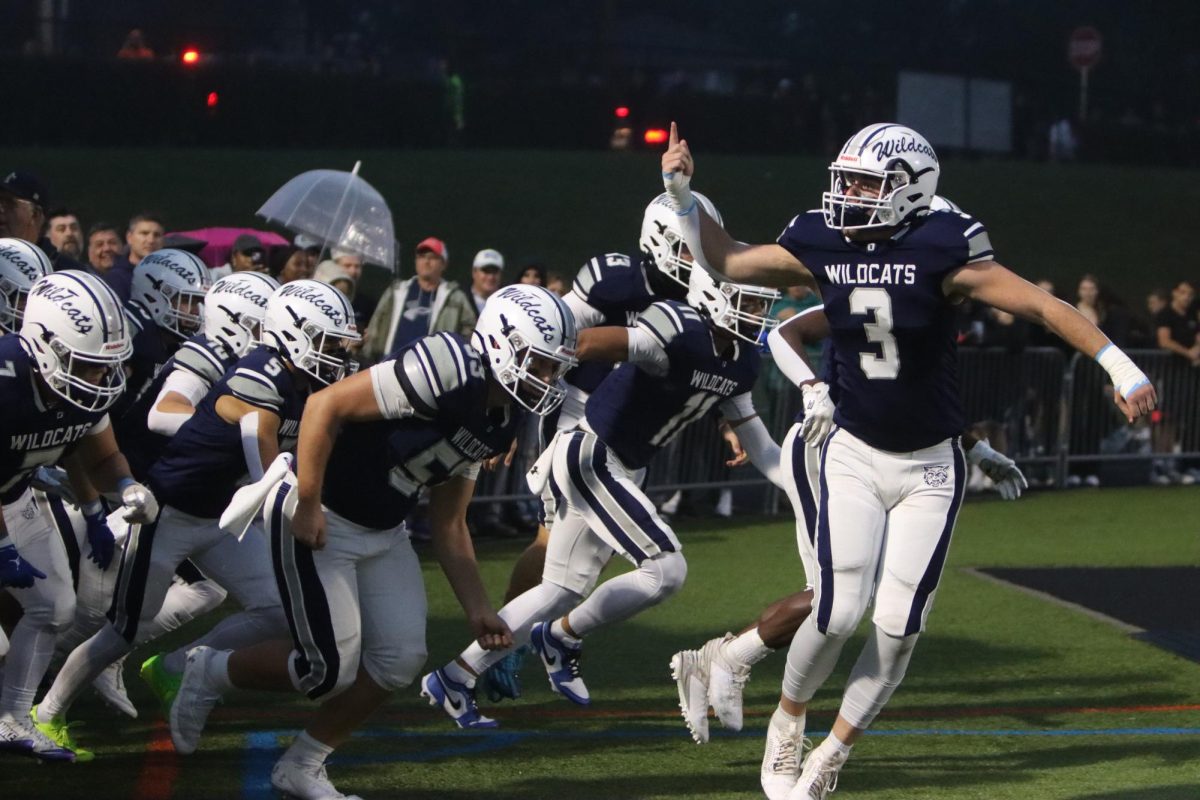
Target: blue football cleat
(456,699)
(503,680)
(562,664)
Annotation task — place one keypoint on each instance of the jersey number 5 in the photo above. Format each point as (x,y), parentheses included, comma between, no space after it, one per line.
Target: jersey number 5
(878,304)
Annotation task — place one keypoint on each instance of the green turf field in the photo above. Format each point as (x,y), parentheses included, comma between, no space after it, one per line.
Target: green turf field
(1008,696)
(1128,225)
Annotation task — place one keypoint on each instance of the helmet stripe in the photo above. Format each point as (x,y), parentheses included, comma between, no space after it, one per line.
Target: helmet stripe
(875,133)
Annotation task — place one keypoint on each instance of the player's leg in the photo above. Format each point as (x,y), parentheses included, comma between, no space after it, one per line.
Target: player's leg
(850,526)
(527,571)
(920,526)
(48,609)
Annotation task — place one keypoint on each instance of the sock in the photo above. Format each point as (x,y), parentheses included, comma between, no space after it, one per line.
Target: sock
(83,666)
(307,750)
(559,632)
(834,745)
(26,664)
(783,720)
(747,649)
(456,673)
(218,671)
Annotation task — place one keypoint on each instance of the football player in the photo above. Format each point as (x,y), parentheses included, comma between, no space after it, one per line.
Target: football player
(248,416)
(58,378)
(889,271)
(610,289)
(679,362)
(349,577)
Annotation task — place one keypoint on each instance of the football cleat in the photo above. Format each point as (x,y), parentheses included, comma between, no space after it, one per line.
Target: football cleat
(726,681)
(503,680)
(561,662)
(195,699)
(820,775)
(14,737)
(691,679)
(53,741)
(305,781)
(456,699)
(782,758)
(110,685)
(162,682)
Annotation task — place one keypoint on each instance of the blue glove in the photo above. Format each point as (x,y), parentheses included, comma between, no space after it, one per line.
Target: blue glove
(503,680)
(16,571)
(99,536)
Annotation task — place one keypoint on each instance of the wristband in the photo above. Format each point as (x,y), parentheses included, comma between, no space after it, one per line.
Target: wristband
(124,483)
(92,508)
(1125,375)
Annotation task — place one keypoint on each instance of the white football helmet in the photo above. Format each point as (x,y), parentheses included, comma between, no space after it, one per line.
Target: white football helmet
(311,323)
(662,237)
(527,336)
(21,264)
(170,285)
(234,309)
(741,309)
(900,160)
(74,329)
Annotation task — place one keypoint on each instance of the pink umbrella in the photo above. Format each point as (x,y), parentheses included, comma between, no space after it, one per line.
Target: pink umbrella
(220,242)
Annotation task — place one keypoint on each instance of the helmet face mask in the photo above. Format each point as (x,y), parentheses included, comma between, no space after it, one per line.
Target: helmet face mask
(884,177)
(90,383)
(527,336)
(662,237)
(736,308)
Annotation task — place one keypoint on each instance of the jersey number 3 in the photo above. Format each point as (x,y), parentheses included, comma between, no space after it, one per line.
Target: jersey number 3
(878,304)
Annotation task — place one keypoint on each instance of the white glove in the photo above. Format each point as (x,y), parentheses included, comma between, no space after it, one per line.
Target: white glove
(53,480)
(818,413)
(139,501)
(1000,468)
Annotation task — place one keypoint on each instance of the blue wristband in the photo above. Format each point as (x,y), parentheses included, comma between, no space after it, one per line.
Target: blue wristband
(92,508)
(125,483)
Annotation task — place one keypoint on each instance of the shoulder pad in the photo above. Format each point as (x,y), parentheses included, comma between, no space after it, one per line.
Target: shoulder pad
(666,319)
(431,367)
(207,359)
(600,269)
(258,379)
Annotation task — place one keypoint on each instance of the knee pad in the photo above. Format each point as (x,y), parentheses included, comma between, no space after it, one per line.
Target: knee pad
(665,573)
(845,612)
(395,669)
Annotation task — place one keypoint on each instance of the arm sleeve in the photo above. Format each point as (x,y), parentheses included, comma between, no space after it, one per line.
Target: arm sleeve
(790,363)
(586,316)
(249,429)
(738,407)
(471,473)
(764,453)
(182,382)
(646,352)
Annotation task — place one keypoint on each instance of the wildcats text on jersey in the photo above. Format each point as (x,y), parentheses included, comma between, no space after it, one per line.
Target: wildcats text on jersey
(466,443)
(717,384)
(52,438)
(891,274)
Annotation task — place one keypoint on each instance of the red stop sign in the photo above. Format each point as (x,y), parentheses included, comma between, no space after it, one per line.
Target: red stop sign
(1084,46)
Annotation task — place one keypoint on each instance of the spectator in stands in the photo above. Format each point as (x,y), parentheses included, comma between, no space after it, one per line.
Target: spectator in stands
(22,206)
(486,271)
(332,273)
(1175,325)
(534,274)
(289,264)
(557,284)
(420,305)
(134,48)
(62,229)
(143,236)
(363,304)
(1101,308)
(248,255)
(103,245)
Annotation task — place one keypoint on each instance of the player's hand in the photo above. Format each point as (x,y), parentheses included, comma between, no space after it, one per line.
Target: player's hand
(491,631)
(740,456)
(16,571)
(53,480)
(1003,471)
(677,169)
(818,413)
(1141,400)
(141,507)
(99,537)
(308,525)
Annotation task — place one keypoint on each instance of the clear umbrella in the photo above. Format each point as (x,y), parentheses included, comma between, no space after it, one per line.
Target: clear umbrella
(340,209)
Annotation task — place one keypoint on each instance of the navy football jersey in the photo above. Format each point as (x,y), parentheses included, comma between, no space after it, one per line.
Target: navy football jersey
(615,285)
(891,326)
(202,464)
(152,349)
(34,434)
(377,470)
(205,358)
(636,413)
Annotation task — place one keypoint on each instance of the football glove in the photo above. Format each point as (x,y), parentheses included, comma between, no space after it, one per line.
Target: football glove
(53,480)
(16,571)
(141,507)
(100,538)
(1000,468)
(818,413)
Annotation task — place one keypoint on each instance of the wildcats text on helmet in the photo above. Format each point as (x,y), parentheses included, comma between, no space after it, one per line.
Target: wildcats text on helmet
(317,299)
(180,270)
(240,290)
(531,305)
(65,299)
(15,257)
(894,147)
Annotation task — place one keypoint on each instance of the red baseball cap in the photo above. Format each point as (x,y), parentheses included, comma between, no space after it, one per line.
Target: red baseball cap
(433,245)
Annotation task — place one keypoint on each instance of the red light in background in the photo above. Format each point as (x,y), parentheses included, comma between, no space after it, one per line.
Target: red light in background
(622,112)
(191,56)
(213,99)
(655,136)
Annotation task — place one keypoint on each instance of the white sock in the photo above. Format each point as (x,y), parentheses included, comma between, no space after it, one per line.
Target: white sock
(307,750)
(746,649)
(559,632)
(456,672)
(783,720)
(26,664)
(832,744)
(218,671)
(83,666)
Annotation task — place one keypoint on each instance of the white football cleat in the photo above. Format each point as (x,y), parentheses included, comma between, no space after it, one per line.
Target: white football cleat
(782,757)
(691,680)
(110,685)
(820,775)
(20,735)
(305,781)
(726,680)
(197,695)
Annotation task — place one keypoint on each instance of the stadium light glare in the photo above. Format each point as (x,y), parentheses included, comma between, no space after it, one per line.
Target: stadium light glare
(655,136)
(622,112)
(190,57)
